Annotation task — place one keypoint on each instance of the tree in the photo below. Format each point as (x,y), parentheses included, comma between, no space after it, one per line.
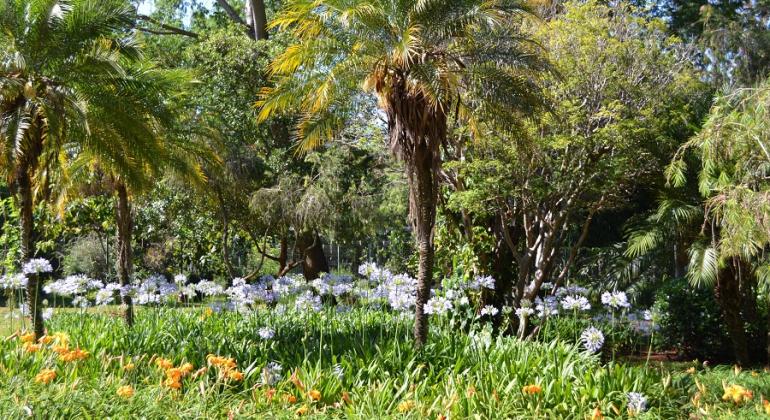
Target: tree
(51,51)
(135,118)
(426,64)
(616,117)
(733,154)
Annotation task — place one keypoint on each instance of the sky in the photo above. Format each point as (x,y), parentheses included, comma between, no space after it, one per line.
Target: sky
(147,6)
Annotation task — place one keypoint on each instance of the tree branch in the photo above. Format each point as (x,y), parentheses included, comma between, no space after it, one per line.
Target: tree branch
(231,12)
(168,29)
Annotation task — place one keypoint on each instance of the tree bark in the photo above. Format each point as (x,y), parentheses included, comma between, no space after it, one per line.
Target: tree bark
(258,18)
(729,298)
(27,245)
(124,264)
(314,259)
(423,195)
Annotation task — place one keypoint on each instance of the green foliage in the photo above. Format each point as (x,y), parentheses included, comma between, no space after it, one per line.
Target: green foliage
(454,375)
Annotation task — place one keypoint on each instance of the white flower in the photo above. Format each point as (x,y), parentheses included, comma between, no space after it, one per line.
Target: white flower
(592,339)
(209,288)
(47,314)
(180,279)
(575,303)
(266,333)
(524,312)
(547,306)
(437,305)
(13,281)
(308,302)
(338,371)
(37,266)
(615,300)
(487,282)
(489,310)
(463,301)
(637,402)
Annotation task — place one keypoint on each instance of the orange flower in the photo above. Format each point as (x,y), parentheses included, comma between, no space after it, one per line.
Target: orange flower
(60,348)
(46,339)
(172,383)
(296,381)
(163,363)
(74,355)
(221,362)
(270,393)
(597,414)
(125,391)
(766,406)
(532,389)
(28,337)
(346,397)
(291,399)
(314,395)
(31,348)
(174,374)
(301,411)
(45,376)
(186,368)
(234,375)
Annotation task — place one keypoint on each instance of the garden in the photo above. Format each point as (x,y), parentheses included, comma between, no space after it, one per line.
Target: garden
(438,209)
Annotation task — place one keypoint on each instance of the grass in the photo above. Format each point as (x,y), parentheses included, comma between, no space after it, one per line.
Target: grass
(362,363)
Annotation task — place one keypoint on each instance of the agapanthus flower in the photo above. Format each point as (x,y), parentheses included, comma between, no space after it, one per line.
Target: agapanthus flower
(570,303)
(209,288)
(437,305)
(571,290)
(524,312)
(37,266)
(47,313)
(486,282)
(489,310)
(338,371)
(308,302)
(547,306)
(271,373)
(180,279)
(592,339)
(615,300)
(13,281)
(637,402)
(266,333)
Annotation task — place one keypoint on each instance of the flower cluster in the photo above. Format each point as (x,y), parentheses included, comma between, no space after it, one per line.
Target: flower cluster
(615,300)
(37,266)
(13,281)
(227,367)
(592,339)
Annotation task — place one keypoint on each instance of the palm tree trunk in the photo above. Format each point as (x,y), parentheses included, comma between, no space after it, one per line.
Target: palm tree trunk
(124,266)
(728,295)
(27,246)
(423,191)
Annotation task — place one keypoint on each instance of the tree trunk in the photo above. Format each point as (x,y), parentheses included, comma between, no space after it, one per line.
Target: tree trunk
(27,245)
(259,19)
(314,259)
(225,236)
(124,263)
(729,297)
(423,192)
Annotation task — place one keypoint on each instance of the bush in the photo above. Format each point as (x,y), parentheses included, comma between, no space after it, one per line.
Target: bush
(87,256)
(691,321)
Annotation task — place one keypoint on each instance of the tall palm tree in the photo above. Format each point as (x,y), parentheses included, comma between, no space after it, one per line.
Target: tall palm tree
(428,62)
(50,52)
(131,144)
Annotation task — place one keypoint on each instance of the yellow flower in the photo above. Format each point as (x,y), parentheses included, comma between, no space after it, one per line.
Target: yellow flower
(531,389)
(737,394)
(46,339)
(766,406)
(60,348)
(28,337)
(128,367)
(74,355)
(691,370)
(314,395)
(174,374)
(301,411)
(45,376)
(61,338)
(125,391)
(31,348)
(405,406)
(163,363)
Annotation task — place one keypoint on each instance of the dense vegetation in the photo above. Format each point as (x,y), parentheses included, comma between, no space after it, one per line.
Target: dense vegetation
(206,205)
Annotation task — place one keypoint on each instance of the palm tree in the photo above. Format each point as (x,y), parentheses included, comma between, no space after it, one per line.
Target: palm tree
(733,150)
(130,145)
(428,63)
(50,52)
